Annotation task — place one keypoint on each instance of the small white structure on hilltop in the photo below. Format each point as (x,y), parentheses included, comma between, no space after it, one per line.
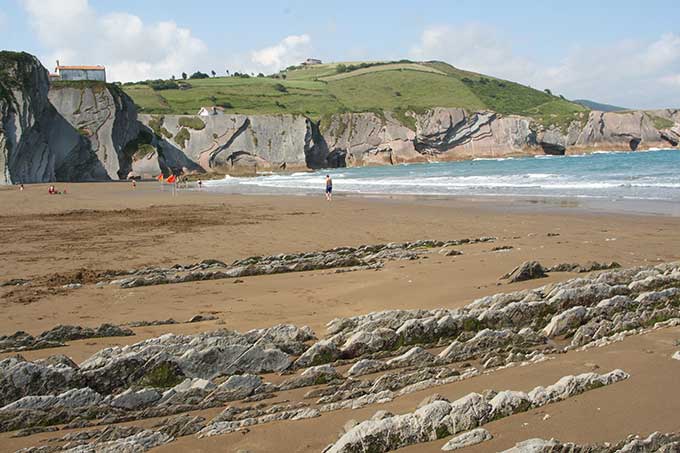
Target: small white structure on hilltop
(97,73)
(310,62)
(210,111)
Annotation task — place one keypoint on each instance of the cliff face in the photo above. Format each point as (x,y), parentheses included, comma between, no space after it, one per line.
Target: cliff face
(65,134)
(105,117)
(234,142)
(36,143)
(447,134)
(250,143)
(91,131)
(358,139)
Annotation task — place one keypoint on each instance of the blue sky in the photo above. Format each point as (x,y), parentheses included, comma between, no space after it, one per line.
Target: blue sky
(624,52)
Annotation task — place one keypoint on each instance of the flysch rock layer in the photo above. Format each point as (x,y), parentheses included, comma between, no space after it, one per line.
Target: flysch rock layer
(82,132)
(388,353)
(440,419)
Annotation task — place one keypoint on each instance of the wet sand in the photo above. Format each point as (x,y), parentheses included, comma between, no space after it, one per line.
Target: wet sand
(111,226)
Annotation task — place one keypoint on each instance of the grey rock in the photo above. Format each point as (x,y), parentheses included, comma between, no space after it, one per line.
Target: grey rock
(414,356)
(528,270)
(320,374)
(321,352)
(181,425)
(509,402)
(564,322)
(133,400)
(473,437)
(73,398)
(366,366)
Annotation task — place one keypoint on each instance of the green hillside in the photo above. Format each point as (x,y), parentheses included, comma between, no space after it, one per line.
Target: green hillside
(321,90)
(599,106)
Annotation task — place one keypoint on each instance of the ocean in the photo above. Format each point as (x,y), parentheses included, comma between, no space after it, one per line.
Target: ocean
(646,175)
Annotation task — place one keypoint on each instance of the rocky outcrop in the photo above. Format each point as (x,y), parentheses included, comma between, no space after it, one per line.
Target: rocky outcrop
(82,131)
(441,418)
(234,143)
(36,143)
(68,132)
(655,442)
(106,119)
(246,144)
(452,134)
(359,139)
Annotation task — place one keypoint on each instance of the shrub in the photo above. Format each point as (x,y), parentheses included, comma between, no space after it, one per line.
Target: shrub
(156,125)
(280,88)
(341,68)
(199,75)
(192,122)
(158,85)
(182,137)
(226,105)
(143,151)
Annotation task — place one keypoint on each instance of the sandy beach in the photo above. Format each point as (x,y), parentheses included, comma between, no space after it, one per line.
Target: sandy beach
(99,228)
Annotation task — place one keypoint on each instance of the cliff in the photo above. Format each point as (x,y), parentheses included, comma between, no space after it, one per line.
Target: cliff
(233,143)
(63,133)
(104,116)
(80,131)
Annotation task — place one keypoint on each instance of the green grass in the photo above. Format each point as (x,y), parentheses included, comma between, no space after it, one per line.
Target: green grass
(192,122)
(182,137)
(660,122)
(320,91)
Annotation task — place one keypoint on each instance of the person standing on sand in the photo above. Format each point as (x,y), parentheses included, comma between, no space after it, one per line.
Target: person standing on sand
(134,184)
(329,188)
(200,184)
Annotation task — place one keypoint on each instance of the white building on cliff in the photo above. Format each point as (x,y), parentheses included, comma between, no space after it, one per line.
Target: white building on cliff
(79,73)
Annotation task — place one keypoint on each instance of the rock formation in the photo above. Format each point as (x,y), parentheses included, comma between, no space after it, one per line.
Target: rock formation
(68,133)
(91,131)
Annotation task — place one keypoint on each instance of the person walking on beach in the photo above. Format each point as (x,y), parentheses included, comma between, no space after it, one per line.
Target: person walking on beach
(329,188)
(200,184)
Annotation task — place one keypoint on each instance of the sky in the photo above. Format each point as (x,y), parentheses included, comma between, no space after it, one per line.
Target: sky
(623,52)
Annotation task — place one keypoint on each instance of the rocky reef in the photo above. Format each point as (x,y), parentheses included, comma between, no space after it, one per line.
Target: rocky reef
(362,360)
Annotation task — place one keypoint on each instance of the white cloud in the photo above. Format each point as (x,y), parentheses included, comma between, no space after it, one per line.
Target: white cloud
(130,49)
(632,73)
(290,50)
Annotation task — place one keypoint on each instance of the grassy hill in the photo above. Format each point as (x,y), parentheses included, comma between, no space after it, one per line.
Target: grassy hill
(599,106)
(321,90)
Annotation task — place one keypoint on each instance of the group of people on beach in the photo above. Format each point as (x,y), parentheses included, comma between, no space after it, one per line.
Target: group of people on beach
(329,187)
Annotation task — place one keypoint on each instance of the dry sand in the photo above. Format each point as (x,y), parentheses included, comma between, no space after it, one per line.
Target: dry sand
(106,226)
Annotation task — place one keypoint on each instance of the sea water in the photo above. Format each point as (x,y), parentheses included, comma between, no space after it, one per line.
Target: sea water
(647,175)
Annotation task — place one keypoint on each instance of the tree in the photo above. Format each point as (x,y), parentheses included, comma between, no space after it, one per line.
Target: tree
(213,73)
(280,88)
(548,91)
(172,78)
(227,73)
(259,74)
(199,75)
(184,75)
(341,68)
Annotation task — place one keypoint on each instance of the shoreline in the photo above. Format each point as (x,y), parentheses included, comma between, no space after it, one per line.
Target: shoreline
(511,202)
